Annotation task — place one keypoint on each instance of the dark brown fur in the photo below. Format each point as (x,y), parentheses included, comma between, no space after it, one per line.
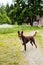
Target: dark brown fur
(26,39)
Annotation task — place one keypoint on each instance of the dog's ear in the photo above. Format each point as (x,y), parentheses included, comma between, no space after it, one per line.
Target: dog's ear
(22,32)
(18,32)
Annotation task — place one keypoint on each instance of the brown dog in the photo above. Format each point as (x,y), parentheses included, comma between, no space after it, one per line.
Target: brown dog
(26,39)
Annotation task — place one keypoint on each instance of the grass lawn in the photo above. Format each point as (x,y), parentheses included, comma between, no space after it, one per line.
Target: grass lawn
(10,47)
(39,38)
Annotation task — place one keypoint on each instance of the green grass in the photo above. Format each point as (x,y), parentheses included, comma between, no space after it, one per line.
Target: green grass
(15,28)
(10,51)
(10,47)
(40,38)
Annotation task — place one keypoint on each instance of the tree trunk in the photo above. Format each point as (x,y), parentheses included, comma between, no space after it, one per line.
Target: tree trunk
(31,23)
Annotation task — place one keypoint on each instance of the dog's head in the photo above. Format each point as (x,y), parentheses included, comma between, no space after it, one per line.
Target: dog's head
(20,34)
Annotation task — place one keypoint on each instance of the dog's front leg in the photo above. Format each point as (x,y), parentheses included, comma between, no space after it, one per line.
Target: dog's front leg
(25,47)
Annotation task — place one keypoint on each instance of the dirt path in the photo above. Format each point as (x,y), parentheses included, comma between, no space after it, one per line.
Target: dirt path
(33,55)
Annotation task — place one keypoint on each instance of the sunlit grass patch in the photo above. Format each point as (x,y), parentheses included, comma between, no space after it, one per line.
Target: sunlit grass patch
(39,40)
(15,28)
(10,50)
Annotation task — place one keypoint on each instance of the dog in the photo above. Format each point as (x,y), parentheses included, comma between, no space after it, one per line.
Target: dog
(26,39)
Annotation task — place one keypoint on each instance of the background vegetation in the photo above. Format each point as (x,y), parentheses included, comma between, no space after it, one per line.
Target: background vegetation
(21,11)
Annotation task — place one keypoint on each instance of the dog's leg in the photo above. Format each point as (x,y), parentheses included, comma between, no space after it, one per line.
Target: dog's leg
(34,43)
(25,47)
(31,43)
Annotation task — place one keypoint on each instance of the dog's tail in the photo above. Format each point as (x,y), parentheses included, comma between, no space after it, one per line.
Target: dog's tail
(35,34)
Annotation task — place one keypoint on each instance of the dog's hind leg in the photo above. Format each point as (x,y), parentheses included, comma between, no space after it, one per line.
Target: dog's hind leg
(31,43)
(34,43)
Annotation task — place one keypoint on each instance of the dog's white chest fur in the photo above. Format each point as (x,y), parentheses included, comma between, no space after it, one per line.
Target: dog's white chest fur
(21,41)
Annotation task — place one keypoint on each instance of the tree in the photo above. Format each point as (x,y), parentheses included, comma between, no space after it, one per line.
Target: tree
(21,10)
(19,5)
(2,9)
(3,16)
(11,7)
(4,19)
(33,9)
(7,8)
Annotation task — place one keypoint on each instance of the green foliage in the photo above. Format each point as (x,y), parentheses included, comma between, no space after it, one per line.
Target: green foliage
(2,10)
(7,8)
(21,9)
(4,19)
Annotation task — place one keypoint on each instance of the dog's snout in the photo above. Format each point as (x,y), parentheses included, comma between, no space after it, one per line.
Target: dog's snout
(19,35)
